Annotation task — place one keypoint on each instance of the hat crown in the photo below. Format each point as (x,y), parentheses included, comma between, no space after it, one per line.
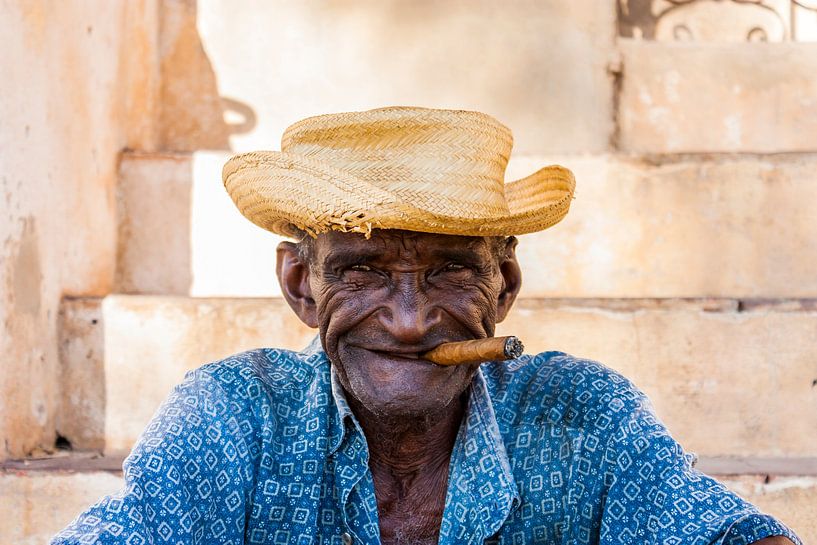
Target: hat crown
(440,160)
(431,171)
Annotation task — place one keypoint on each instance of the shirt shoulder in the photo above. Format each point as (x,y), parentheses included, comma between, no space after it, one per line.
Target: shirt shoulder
(252,393)
(274,369)
(555,388)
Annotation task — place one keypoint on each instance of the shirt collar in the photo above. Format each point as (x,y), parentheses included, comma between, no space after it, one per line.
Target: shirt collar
(337,418)
(343,412)
(481,477)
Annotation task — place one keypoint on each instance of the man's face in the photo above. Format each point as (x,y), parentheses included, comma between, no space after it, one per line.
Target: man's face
(380,302)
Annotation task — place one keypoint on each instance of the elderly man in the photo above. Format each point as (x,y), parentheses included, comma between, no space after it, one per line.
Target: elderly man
(405,233)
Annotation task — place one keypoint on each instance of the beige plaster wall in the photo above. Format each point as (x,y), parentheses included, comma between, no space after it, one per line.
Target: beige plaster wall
(79,84)
(749,97)
(540,67)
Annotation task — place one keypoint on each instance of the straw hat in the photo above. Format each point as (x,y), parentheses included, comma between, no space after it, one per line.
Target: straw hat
(418,169)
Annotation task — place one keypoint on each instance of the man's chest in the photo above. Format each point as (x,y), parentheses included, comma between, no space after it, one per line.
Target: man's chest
(337,503)
(410,516)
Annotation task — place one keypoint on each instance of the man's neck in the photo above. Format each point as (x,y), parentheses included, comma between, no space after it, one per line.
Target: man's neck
(410,443)
(409,458)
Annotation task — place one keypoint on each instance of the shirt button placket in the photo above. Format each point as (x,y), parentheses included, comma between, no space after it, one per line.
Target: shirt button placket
(346,538)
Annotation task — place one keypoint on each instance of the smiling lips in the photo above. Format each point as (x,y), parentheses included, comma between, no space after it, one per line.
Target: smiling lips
(397,354)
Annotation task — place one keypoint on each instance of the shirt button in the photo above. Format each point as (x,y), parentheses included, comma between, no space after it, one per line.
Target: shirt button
(346,538)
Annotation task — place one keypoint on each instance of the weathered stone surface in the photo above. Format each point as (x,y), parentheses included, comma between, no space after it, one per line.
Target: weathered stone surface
(81,415)
(38,504)
(79,84)
(727,383)
(718,98)
(153,204)
(539,67)
(690,227)
(759,465)
(636,229)
(791,499)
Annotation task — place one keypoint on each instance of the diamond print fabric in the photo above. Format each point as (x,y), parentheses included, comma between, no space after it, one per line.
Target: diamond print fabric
(262,448)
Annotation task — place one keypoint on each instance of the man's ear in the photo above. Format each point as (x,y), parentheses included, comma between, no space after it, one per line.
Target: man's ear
(293,276)
(512,279)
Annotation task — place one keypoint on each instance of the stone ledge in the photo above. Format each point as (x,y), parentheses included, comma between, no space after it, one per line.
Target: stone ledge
(37,504)
(705,304)
(791,499)
(723,367)
(141,346)
(746,97)
(73,462)
(758,466)
(740,227)
(180,234)
(726,383)
(69,461)
(655,227)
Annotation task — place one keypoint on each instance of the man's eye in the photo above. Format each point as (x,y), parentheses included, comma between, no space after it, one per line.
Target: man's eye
(361,268)
(453,267)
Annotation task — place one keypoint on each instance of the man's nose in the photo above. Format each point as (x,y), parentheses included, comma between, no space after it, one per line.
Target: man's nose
(409,315)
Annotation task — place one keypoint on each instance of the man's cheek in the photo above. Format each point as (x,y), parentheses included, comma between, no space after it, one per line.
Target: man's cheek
(342,312)
(473,301)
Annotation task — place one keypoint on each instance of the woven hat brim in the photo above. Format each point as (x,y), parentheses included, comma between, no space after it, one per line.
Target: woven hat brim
(286,193)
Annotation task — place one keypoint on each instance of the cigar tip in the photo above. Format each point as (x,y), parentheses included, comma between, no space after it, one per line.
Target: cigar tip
(513,348)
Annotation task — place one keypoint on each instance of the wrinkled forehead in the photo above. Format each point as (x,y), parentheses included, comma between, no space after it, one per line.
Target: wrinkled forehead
(400,246)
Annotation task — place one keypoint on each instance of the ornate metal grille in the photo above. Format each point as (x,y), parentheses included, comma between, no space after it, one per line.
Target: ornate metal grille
(719,20)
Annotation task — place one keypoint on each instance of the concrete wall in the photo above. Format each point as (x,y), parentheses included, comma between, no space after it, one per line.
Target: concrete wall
(79,84)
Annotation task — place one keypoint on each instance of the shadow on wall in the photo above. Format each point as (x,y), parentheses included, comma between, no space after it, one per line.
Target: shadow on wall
(718,21)
(192,115)
(155,192)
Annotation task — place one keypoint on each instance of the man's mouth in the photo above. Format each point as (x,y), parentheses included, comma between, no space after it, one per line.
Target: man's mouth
(397,354)
(412,354)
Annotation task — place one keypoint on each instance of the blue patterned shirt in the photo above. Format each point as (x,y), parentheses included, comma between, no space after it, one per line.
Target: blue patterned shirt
(263,448)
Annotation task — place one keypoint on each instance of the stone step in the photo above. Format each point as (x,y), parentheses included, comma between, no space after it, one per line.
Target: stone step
(664,227)
(738,97)
(714,369)
(180,234)
(121,355)
(37,504)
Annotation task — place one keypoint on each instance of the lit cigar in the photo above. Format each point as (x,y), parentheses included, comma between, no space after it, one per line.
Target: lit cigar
(476,351)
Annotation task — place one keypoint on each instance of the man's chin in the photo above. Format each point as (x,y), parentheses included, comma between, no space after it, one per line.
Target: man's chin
(401,398)
(394,385)
(404,409)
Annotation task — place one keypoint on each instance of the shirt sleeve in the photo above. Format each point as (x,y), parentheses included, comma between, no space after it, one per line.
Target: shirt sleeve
(184,480)
(654,494)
